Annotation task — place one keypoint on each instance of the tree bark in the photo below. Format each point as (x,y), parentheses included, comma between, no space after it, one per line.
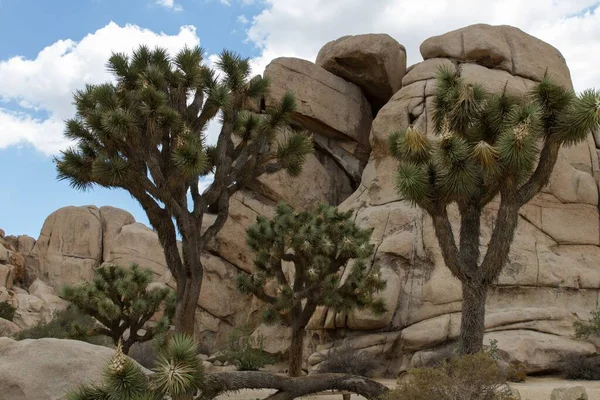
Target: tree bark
(187,300)
(296,350)
(290,388)
(472,325)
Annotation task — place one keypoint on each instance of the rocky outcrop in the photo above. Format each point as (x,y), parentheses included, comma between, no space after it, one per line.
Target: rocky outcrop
(551,279)
(37,305)
(46,369)
(376,63)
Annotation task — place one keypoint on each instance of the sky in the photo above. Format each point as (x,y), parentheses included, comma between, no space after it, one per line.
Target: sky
(49,49)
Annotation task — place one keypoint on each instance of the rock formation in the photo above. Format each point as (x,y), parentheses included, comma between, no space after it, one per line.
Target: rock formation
(551,280)
(46,369)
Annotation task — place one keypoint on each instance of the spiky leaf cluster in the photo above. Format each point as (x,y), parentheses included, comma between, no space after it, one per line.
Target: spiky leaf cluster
(484,139)
(319,255)
(122,299)
(178,372)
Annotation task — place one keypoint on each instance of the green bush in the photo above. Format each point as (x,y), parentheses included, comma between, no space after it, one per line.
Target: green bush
(591,327)
(473,377)
(244,351)
(581,367)
(70,323)
(347,360)
(7,311)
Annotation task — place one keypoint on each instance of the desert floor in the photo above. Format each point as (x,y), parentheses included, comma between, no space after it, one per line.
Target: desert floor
(533,389)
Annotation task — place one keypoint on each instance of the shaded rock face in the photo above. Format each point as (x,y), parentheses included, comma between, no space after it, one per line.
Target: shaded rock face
(46,369)
(552,277)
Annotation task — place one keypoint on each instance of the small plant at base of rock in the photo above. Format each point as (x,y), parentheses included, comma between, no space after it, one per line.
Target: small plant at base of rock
(177,373)
(473,377)
(246,352)
(123,301)
(7,311)
(581,367)
(347,360)
(591,327)
(517,372)
(70,323)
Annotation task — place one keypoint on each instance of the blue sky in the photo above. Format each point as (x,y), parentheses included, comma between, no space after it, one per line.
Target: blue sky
(30,188)
(48,49)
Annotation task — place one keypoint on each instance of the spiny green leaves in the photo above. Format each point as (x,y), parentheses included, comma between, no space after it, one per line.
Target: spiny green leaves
(189,156)
(552,98)
(292,151)
(410,145)
(412,182)
(486,156)
(579,119)
(178,372)
(517,150)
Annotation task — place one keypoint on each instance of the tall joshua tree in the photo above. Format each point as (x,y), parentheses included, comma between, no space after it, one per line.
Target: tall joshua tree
(145,133)
(487,145)
(320,244)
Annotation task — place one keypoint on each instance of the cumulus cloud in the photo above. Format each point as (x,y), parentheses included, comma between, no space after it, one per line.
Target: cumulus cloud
(299,29)
(170,4)
(242,19)
(48,81)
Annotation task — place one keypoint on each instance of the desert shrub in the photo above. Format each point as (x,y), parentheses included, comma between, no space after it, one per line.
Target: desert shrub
(473,377)
(347,360)
(517,372)
(581,367)
(7,311)
(70,323)
(585,329)
(244,351)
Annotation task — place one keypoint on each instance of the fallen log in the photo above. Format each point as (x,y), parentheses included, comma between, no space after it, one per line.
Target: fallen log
(289,388)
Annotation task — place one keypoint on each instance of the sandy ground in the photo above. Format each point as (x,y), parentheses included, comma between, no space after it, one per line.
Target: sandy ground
(533,389)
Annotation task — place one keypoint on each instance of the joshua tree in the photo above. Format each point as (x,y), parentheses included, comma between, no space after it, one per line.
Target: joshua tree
(320,244)
(145,133)
(487,146)
(122,300)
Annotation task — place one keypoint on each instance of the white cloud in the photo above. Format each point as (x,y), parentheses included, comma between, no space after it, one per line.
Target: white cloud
(48,81)
(299,29)
(242,19)
(225,2)
(170,4)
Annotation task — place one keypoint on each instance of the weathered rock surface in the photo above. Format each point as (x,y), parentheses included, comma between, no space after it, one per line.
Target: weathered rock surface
(46,369)
(502,47)
(569,393)
(374,62)
(551,279)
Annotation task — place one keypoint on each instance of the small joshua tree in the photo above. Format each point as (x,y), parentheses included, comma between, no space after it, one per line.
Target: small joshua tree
(487,146)
(122,300)
(320,244)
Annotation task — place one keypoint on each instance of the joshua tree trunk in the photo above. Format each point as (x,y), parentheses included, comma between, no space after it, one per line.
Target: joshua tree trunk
(296,350)
(187,299)
(472,324)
